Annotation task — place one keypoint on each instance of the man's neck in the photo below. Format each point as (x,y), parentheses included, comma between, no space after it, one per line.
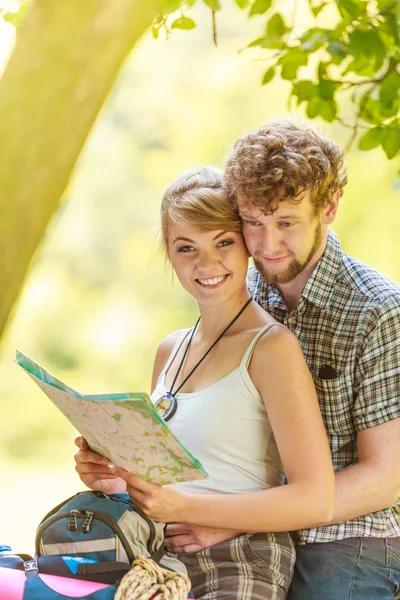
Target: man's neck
(292,291)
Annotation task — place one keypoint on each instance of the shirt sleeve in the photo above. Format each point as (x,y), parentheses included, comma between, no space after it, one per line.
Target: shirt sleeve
(377,390)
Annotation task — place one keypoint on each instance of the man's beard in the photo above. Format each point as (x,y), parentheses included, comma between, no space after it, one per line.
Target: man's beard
(294,268)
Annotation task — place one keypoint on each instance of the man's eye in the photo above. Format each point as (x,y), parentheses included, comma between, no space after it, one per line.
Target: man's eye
(286,224)
(253,223)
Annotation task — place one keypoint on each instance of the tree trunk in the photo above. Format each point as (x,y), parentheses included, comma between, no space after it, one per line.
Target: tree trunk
(64,63)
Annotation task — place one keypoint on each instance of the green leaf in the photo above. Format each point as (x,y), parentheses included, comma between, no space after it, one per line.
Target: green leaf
(190,3)
(383,5)
(314,39)
(269,75)
(371,110)
(276,27)
(362,65)
(260,7)
(183,23)
(242,3)
(354,8)
(389,88)
(317,9)
(322,70)
(266,42)
(16,18)
(314,107)
(391,140)
(338,52)
(328,110)
(170,6)
(304,90)
(291,61)
(371,139)
(327,88)
(390,26)
(366,42)
(154,32)
(213,4)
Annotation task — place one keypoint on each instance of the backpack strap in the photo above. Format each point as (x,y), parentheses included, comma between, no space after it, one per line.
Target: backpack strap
(158,554)
(102,567)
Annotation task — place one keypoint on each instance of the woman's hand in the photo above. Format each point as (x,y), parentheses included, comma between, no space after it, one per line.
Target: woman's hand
(160,503)
(95,470)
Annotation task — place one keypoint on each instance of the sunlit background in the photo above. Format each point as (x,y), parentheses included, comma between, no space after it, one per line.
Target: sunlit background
(99,296)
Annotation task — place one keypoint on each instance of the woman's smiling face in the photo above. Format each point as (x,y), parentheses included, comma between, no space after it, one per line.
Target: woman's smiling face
(210,265)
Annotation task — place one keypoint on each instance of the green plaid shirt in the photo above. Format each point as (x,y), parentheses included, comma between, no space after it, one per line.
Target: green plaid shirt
(348,325)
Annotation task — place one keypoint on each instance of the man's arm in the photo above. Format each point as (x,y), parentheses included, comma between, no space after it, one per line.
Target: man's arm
(374,482)
(368,486)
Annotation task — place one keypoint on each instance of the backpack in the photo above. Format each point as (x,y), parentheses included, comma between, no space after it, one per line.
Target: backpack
(97,536)
(20,580)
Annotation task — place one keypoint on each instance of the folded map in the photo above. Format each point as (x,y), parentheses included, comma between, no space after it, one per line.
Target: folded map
(126,428)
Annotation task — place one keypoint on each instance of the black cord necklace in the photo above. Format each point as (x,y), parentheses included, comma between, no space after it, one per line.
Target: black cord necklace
(168,404)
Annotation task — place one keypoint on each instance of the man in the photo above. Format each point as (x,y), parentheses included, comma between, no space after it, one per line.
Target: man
(286,180)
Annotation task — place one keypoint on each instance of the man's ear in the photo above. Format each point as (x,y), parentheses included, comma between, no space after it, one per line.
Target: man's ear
(329,211)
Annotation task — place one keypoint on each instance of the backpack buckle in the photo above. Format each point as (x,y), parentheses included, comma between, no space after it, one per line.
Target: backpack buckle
(31,568)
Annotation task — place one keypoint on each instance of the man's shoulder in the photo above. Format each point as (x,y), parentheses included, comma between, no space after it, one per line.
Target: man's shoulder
(365,285)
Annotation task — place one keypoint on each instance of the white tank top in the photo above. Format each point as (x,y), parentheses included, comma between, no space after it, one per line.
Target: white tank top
(226,427)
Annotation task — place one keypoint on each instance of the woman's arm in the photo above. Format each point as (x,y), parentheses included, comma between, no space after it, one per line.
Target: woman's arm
(280,373)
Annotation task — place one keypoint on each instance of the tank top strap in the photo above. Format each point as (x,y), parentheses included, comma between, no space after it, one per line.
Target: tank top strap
(174,352)
(250,350)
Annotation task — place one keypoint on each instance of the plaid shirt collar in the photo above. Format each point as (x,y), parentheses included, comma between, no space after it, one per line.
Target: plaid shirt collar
(320,285)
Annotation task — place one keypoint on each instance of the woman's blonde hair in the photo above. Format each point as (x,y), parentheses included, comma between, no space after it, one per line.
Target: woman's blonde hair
(197,198)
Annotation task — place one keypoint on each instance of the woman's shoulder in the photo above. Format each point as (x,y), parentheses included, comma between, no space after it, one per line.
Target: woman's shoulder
(164,351)
(276,340)
(167,344)
(277,354)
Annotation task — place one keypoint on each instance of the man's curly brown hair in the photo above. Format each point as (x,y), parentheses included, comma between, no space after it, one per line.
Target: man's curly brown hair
(281,161)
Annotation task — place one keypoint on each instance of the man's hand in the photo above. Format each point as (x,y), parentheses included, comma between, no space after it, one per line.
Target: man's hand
(182,537)
(94,470)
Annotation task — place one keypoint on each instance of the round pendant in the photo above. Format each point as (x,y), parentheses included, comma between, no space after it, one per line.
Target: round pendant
(166,406)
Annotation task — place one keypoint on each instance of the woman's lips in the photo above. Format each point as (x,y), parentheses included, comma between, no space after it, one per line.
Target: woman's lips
(210,283)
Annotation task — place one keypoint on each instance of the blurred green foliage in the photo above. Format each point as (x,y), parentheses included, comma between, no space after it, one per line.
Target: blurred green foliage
(100,296)
(350,45)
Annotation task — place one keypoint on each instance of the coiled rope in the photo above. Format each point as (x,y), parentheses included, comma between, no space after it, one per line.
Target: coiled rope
(147,581)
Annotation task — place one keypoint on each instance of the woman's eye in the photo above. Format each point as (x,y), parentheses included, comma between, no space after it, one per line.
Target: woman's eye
(185,249)
(224,243)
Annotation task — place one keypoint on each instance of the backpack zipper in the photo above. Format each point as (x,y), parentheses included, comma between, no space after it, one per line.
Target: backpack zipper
(96,515)
(99,494)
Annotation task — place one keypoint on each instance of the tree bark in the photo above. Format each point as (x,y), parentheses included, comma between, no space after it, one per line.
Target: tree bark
(66,58)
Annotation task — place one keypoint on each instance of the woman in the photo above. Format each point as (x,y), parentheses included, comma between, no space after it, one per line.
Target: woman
(238,393)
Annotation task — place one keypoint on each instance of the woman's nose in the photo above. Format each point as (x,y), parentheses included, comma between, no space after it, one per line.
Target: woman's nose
(206,261)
